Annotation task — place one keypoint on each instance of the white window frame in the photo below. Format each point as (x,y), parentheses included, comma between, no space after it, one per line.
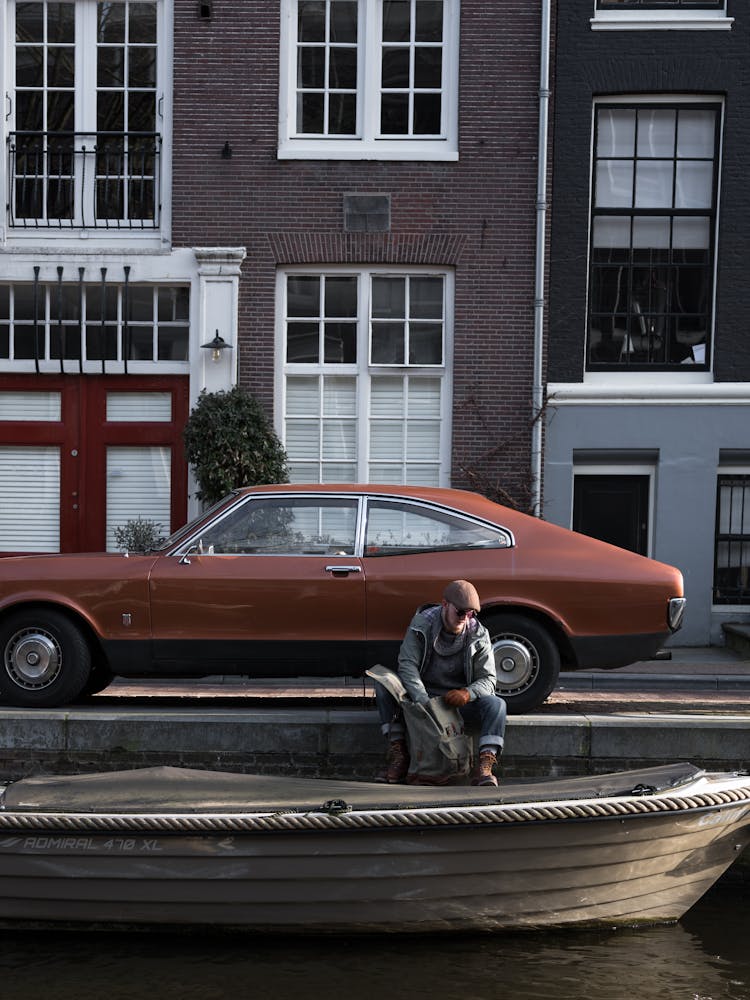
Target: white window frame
(85,103)
(709,19)
(363,371)
(723,471)
(658,377)
(368,144)
(78,329)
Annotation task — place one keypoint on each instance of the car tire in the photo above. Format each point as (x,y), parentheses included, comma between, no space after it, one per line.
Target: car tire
(98,680)
(527,660)
(46,661)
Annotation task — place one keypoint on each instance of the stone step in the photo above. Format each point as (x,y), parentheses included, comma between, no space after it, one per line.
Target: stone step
(737,637)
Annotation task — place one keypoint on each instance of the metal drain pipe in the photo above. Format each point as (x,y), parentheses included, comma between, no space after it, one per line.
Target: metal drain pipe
(537,398)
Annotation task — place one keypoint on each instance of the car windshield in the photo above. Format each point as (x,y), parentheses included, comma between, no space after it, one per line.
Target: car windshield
(187,529)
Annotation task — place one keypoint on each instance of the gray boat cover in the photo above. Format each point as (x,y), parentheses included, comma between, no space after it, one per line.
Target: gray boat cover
(183,790)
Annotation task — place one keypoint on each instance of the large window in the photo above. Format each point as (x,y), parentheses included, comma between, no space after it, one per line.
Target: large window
(653,220)
(732,554)
(101,327)
(365,394)
(369,78)
(83,145)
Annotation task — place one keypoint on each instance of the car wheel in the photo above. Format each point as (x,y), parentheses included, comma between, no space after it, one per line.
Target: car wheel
(45,659)
(527,660)
(99,679)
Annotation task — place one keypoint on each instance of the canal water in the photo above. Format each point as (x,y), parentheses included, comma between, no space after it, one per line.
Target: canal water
(704,957)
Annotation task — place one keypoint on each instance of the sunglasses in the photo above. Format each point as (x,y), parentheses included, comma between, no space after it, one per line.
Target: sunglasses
(463,612)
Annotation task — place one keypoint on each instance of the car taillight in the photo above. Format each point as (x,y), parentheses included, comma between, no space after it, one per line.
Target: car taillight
(676,612)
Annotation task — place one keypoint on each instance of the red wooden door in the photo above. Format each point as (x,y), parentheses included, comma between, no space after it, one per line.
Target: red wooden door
(90,419)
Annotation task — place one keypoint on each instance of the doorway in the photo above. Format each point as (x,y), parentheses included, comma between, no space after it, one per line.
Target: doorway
(81,455)
(613,508)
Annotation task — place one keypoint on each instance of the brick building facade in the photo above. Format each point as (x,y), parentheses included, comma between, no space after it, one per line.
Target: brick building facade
(467,211)
(344,192)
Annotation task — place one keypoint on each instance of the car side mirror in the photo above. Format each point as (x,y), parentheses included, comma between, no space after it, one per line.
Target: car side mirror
(197,547)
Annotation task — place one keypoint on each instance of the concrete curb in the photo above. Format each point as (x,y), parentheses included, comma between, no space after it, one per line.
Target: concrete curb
(615,681)
(328,726)
(344,742)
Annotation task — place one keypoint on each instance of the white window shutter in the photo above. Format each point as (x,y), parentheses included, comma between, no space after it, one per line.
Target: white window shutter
(138,485)
(29,499)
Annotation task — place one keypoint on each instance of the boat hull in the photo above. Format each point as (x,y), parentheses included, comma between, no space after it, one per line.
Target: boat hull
(523,865)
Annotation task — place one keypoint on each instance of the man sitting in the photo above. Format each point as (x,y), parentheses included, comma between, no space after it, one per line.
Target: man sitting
(447,652)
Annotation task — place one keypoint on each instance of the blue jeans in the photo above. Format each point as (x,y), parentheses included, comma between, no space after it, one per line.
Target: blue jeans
(485,715)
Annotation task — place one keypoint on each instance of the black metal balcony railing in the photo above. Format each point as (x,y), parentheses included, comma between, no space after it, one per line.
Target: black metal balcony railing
(67,180)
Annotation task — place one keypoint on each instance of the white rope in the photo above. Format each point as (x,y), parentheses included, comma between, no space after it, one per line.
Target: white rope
(335,819)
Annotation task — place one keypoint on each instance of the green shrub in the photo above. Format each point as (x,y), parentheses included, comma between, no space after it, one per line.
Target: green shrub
(139,535)
(230,442)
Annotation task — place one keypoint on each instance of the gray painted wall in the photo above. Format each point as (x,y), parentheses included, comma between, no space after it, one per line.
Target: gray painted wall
(688,439)
(685,425)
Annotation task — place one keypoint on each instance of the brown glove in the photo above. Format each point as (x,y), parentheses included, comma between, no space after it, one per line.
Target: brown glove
(457,698)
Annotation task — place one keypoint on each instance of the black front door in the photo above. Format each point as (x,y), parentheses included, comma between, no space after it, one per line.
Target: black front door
(614,509)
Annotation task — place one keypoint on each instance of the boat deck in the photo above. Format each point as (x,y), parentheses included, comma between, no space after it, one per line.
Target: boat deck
(170,789)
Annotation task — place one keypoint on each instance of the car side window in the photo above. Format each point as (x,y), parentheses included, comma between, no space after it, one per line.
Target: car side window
(284,526)
(400,528)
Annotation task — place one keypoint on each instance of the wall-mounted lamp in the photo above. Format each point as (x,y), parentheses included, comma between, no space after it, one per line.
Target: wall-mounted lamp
(216,346)
(226,151)
(204,10)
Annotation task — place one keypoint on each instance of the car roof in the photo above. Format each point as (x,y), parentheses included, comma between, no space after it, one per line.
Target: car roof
(437,494)
(463,501)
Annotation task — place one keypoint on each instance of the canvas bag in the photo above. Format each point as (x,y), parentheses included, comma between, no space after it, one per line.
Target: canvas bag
(439,749)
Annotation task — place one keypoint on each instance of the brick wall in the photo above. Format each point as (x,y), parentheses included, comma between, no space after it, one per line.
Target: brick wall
(477,215)
(593,63)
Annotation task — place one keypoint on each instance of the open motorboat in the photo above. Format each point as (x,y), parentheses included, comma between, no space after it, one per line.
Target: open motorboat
(173,846)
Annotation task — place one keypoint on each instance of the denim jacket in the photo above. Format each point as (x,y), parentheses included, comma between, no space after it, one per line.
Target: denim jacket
(479,664)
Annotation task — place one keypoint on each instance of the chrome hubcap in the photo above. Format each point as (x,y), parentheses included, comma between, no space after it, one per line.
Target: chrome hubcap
(516,662)
(32,658)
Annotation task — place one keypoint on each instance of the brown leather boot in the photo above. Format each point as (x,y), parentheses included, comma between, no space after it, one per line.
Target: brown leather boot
(482,773)
(396,763)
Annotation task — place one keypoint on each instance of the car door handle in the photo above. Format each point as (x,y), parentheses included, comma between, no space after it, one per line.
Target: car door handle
(343,569)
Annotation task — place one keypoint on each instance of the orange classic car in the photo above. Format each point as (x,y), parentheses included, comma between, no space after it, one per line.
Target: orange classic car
(322,580)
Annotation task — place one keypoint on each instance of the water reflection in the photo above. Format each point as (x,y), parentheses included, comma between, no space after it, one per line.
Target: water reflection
(703,958)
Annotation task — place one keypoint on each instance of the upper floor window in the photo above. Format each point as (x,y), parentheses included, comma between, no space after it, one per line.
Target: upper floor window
(654,192)
(368,79)
(83,145)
